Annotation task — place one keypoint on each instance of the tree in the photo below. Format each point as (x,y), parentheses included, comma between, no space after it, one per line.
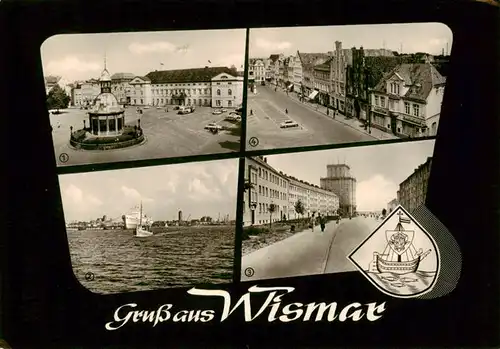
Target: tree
(271,209)
(299,208)
(57,98)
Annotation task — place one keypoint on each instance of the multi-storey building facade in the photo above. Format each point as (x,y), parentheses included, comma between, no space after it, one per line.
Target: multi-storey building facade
(413,190)
(140,91)
(407,102)
(256,70)
(270,186)
(90,89)
(121,88)
(214,86)
(340,181)
(364,71)
(272,72)
(297,73)
(314,199)
(227,91)
(308,61)
(321,81)
(338,68)
(290,66)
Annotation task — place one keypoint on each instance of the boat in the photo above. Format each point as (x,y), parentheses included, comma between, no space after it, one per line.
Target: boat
(400,255)
(142,230)
(131,219)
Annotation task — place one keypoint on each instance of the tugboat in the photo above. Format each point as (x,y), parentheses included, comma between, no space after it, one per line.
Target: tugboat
(400,256)
(142,230)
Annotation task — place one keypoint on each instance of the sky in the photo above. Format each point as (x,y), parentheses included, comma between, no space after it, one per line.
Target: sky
(198,189)
(378,169)
(81,56)
(416,37)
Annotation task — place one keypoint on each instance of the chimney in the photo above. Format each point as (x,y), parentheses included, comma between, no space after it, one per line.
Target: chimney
(265,160)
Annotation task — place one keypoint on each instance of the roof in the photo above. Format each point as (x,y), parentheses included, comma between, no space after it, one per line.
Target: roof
(144,78)
(420,77)
(311,59)
(187,75)
(106,103)
(324,66)
(122,76)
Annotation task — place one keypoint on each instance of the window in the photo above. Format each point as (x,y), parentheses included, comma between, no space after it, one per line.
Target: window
(382,102)
(416,109)
(218,92)
(376,101)
(229,103)
(217,103)
(229,92)
(142,101)
(407,108)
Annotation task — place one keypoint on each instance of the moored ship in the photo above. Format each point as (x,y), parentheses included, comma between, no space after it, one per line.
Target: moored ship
(134,217)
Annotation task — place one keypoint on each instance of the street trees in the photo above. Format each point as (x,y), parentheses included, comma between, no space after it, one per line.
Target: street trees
(271,209)
(299,208)
(57,98)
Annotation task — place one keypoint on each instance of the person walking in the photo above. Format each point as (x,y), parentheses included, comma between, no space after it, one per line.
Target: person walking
(286,111)
(322,222)
(312,222)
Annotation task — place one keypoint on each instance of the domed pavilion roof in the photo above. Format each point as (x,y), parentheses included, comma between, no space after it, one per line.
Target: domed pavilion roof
(106,103)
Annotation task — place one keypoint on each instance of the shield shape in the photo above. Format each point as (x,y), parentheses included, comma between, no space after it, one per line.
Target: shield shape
(399,240)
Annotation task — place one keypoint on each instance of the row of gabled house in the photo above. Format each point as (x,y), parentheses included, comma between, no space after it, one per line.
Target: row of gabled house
(397,93)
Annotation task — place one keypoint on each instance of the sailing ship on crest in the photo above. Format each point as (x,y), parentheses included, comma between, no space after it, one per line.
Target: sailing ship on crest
(400,255)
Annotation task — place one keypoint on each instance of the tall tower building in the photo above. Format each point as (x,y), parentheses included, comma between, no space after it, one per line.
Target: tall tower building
(340,181)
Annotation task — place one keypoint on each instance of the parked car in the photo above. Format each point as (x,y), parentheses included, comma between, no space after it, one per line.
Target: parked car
(223,110)
(289,123)
(217,112)
(233,117)
(146,107)
(213,126)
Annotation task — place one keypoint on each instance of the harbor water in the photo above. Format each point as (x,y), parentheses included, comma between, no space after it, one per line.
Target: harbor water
(115,261)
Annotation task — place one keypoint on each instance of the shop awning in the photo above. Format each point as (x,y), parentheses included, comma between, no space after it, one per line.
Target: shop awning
(313,94)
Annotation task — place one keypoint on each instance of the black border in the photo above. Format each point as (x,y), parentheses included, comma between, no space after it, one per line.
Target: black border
(41,307)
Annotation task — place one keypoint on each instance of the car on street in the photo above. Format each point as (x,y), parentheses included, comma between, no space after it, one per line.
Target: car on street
(146,107)
(213,126)
(217,112)
(186,110)
(289,123)
(233,117)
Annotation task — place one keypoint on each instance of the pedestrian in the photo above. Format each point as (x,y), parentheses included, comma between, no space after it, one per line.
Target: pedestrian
(312,222)
(322,222)
(251,111)
(286,111)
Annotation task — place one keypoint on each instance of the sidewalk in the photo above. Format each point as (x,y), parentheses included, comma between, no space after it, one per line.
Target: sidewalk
(351,122)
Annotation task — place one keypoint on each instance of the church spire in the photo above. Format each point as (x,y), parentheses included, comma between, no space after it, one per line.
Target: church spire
(104,60)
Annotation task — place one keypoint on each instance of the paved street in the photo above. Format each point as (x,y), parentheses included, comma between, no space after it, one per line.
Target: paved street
(168,134)
(315,128)
(309,253)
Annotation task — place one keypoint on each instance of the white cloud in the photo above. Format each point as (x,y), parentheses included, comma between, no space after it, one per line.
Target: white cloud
(375,193)
(236,59)
(73,193)
(133,194)
(437,42)
(272,45)
(72,64)
(157,46)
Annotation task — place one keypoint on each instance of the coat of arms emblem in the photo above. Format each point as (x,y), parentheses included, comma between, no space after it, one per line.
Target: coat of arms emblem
(400,258)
